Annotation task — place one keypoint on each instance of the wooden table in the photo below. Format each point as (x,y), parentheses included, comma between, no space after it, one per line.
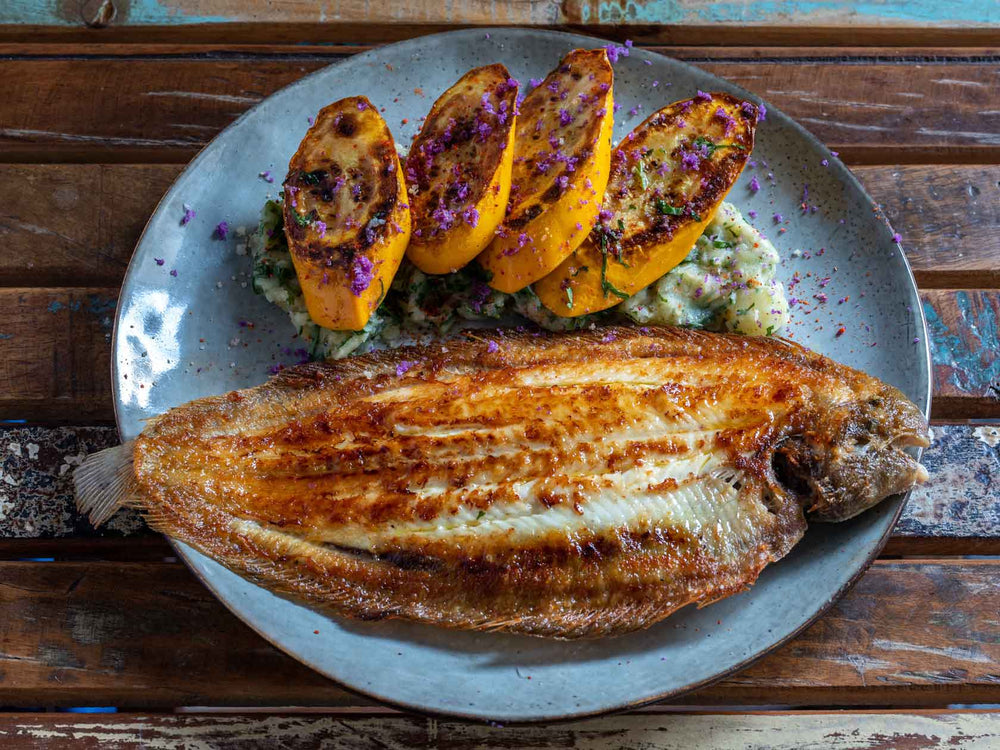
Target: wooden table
(103,103)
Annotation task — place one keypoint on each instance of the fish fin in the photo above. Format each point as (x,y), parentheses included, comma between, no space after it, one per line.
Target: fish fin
(105,482)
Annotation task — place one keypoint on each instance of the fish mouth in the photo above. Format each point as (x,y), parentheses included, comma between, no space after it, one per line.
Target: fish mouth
(835,484)
(910,440)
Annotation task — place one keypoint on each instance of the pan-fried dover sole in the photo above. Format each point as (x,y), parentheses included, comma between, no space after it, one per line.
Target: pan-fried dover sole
(565,485)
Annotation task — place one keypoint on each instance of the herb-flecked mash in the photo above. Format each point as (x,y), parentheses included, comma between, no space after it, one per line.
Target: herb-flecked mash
(726,283)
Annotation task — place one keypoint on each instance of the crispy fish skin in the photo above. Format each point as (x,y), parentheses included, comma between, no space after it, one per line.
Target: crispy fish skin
(565,485)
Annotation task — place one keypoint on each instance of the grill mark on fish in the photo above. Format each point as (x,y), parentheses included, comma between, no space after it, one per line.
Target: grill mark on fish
(566,485)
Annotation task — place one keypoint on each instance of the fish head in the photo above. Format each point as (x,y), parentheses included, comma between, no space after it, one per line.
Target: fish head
(851,455)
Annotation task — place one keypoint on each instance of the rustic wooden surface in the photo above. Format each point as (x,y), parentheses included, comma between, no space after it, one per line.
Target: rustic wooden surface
(105,100)
(875,730)
(149,635)
(157,106)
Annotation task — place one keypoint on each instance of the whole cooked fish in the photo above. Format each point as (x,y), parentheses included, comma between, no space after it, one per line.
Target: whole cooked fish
(563,485)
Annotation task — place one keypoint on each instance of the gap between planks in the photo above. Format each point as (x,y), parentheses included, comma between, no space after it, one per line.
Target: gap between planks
(374,32)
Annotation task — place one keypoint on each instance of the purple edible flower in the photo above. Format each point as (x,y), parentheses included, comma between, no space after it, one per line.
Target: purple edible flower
(159,261)
(266,176)
(897,237)
(778,218)
(754,184)
(173,272)
(471,216)
(702,96)
(189,213)
(362,106)
(492,346)
(320,227)
(403,366)
(690,161)
(361,274)
(222,230)
(565,118)
(635,110)
(535,82)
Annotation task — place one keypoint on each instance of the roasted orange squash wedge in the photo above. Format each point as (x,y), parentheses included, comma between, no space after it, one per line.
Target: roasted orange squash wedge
(563,149)
(458,170)
(346,216)
(668,178)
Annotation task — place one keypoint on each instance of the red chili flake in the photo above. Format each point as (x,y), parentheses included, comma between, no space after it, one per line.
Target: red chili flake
(406,120)
(841,331)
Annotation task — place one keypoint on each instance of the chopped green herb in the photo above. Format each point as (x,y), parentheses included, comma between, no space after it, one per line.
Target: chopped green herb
(769,331)
(606,286)
(303,221)
(713,147)
(569,297)
(577,272)
(720,244)
(666,209)
(639,170)
(480,514)
(746,310)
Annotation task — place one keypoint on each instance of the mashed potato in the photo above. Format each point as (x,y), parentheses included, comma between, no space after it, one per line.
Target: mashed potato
(727,282)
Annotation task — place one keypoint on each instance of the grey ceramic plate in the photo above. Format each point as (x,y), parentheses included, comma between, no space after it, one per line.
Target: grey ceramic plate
(179,337)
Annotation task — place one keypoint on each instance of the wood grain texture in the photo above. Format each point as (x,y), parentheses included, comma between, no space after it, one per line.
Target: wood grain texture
(55,353)
(956,512)
(650,730)
(73,224)
(163,109)
(149,635)
(351,20)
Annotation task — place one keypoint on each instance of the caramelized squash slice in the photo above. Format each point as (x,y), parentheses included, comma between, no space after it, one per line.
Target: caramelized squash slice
(346,216)
(668,178)
(563,149)
(459,169)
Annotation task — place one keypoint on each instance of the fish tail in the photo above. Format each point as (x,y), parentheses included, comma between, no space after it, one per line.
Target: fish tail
(105,482)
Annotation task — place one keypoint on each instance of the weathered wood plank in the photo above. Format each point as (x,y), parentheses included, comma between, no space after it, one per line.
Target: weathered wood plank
(114,109)
(649,730)
(956,512)
(73,224)
(964,330)
(150,635)
(55,353)
(949,217)
(354,20)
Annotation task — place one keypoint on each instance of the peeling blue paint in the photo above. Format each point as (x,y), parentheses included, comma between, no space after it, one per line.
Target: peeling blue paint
(136,13)
(974,362)
(782,11)
(801,12)
(55,306)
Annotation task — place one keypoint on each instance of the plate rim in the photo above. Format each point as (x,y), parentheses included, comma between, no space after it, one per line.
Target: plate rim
(188,554)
